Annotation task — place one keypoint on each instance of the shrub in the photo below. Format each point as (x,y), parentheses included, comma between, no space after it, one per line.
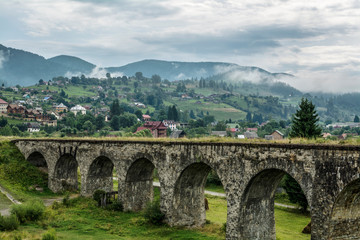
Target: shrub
(153,214)
(29,211)
(49,235)
(66,199)
(223,227)
(98,196)
(116,206)
(9,223)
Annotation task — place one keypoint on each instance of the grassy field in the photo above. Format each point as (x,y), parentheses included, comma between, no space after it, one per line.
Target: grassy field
(220,111)
(84,220)
(4,202)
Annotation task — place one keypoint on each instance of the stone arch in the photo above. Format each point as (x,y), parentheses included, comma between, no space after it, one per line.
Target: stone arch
(139,184)
(38,160)
(345,216)
(66,173)
(257,219)
(100,175)
(188,198)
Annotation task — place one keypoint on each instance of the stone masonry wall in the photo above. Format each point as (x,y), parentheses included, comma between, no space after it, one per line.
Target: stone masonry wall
(249,173)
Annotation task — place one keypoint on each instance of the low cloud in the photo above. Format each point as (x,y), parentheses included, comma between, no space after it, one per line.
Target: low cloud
(97,72)
(3,58)
(329,81)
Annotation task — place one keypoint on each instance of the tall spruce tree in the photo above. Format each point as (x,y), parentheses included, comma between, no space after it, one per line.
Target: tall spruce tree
(304,123)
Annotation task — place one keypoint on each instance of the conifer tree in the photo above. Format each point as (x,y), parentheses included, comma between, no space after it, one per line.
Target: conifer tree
(304,123)
(356,119)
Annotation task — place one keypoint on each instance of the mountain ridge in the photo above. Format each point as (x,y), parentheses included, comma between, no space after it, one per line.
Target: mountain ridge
(27,68)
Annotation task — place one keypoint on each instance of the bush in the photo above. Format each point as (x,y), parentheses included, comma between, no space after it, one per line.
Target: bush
(153,214)
(116,206)
(223,227)
(66,199)
(98,196)
(49,235)
(29,211)
(9,223)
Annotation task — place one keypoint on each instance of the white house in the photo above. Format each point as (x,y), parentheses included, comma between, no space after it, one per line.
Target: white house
(3,106)
(78,109)
(33,127)
(170,124)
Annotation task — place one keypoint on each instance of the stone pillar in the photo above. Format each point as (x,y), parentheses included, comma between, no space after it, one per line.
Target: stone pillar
(137,189)
(257,220)
(188,206)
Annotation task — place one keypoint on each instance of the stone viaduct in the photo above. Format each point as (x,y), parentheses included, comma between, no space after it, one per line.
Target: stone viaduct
(249,172)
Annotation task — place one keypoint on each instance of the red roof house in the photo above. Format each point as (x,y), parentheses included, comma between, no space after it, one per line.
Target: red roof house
(157,128)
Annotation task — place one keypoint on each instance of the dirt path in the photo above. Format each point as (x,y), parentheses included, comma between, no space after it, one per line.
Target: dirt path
(47,201)
(157,184)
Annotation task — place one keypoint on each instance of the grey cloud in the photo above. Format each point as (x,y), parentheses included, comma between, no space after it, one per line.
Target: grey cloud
(144,9)
(246,42)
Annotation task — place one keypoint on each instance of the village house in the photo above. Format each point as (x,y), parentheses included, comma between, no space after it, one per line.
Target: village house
(219,133)
(170,124)
(157,128)
(277,135)
(61,108)
(15,109)
(78,109)
(250,135)
(3,106)
(33,127)
(139,105)
(177,134)
(146,117)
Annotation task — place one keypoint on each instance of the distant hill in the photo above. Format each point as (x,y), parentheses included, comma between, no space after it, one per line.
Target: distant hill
(73,64)
(185,70)
(26,68)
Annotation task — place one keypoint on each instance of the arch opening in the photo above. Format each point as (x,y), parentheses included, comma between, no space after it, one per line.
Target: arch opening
(189,202)
(38,160)
(66,172)
(345,217)
(139,188)
(257,210)
(101,175)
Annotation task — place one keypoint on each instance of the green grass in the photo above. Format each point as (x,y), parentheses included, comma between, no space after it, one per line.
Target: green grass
(290,223)
(4,202)
(217,210)
(17,175)
(84,220)
(220,111)
(214,188)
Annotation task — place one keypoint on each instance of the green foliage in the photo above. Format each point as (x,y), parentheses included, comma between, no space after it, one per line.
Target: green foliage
(66,200)
(115,123)
(304,123)
(9,223)
(153,214)
(220,126)
(127,120)
(213,178)
(28,211)
(356,119)
(294,191)
(223,227)
(17,173)
(115,109)
(98,196)
(49,235)
(116,206)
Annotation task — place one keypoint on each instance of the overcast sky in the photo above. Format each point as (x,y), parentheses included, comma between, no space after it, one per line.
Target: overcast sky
(318,40)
